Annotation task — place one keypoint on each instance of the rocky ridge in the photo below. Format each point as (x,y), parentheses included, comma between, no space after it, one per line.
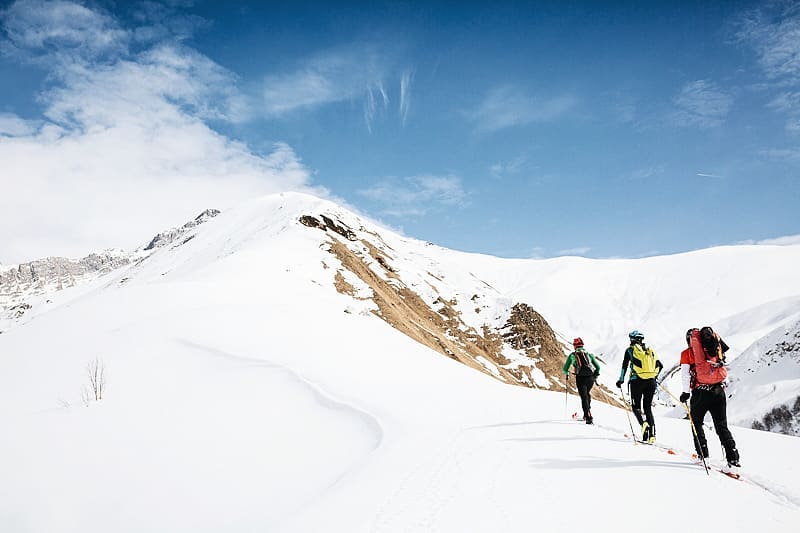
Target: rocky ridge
(518,348)
(21,285)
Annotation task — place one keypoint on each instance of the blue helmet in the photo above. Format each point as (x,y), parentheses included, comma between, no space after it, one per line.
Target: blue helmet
(635,334)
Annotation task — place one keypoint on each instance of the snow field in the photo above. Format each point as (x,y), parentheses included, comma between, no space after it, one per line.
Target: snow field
(241,397)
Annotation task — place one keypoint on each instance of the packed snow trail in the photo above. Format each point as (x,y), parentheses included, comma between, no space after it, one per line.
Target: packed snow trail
(550,475)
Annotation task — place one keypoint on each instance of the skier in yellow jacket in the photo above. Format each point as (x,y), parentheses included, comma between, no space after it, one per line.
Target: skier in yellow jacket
(645,367)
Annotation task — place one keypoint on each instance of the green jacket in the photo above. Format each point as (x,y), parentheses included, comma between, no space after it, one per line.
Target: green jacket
(572,362)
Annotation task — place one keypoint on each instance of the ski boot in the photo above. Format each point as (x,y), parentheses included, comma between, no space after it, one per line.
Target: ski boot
(645,432)
(732,468)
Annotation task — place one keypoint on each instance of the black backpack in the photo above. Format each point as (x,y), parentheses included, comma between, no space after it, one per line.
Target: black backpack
(712,343)
(583,364)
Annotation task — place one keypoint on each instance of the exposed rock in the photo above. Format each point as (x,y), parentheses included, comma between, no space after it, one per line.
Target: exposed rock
(407,312)
(51,274)
(16,311)
(170,236)
(783,350)
(311,222)
(528,330)
(56,273)
(439,324)
(328,223)
(342,285)
(781,419)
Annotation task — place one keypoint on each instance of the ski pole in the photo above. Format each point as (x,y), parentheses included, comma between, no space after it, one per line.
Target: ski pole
(628,415)
(694,429)
(625,403)
(566,395)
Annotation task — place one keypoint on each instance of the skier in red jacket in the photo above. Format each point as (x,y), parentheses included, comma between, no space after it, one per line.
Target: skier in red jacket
(703,374)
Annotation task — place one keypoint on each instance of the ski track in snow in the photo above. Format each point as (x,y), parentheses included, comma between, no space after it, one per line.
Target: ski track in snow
(425,491)
(466,482)
(779,495)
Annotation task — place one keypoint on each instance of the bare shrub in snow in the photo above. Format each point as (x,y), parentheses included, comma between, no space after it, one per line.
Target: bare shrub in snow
(97,380)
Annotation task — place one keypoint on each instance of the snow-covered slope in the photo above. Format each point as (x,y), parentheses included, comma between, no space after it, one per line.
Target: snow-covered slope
(744,292)
(766,385)
(249,386)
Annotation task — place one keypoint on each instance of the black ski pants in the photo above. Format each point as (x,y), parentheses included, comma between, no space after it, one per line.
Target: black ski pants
(643,390)
(712,401)
(585,384)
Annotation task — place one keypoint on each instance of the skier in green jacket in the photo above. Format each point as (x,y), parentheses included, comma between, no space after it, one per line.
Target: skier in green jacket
(586,372)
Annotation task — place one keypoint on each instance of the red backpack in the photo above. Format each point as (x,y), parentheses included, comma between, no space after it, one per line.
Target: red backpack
(708,356)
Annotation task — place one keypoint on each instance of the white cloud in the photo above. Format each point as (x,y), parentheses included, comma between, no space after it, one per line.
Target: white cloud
(773,30)
(707,175)
(406,80)
(647,172)
(165,21)
(416,195)
(508,106)
(785,154)
(782,241)
(337,75)
(508,168)
(123,150)
(701,103)
(45,29)
(166,80)
(283,94)
(787,240)
(580,250)
(785,101)
(376,99)
(11,124)
(788,103)
(538,252)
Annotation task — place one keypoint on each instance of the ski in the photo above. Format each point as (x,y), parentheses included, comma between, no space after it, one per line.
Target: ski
(579,418)
(695,459)
(721,470)
(743,478)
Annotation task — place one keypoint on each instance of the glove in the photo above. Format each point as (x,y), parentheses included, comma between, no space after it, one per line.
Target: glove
(619,384)
(684,397)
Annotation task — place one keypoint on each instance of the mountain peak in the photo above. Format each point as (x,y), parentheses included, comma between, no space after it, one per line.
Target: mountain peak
(168,237)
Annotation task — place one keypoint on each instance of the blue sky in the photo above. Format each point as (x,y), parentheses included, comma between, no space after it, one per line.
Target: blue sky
(598,129)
